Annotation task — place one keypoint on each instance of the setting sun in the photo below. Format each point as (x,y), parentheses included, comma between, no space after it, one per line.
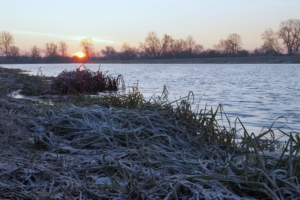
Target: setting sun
(79,54)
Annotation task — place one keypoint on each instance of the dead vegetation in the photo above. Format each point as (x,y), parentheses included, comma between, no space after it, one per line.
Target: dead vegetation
(83,80)
(125,147)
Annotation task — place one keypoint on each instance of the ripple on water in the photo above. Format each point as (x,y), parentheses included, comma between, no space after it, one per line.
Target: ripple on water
(257,93)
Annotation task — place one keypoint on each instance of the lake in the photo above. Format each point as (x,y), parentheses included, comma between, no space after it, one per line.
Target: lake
(256,93)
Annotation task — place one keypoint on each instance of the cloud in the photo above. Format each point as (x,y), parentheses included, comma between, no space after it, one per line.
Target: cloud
(96,39)
(69,37)
(37,33)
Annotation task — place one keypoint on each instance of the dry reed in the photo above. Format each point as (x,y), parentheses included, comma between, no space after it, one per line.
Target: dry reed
(83,80)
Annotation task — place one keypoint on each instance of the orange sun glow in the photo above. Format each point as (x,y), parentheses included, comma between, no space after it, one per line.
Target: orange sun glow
(79,54)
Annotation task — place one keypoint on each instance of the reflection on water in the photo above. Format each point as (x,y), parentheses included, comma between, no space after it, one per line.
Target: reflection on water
(256,93)
(41,99)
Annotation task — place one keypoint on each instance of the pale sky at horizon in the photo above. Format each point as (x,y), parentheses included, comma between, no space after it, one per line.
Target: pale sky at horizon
(36,22)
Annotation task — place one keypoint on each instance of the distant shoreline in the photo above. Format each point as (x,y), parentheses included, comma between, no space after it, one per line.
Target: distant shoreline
(222,60)
(217,60)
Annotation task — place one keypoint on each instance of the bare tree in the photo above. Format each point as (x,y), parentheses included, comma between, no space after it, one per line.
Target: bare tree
(6,41)
(235,43)
(165,45)
(14,52)
(93,55)
(128,52)
(190,42)
(88,46)
(98,54)
(109,52)
(178,48)
(198,49)
(26,54)
(258,52)
(35,53)
(152,45)
(271,42)
(231,45)
(51,50)
(289,32)
(222,47)
(62,48)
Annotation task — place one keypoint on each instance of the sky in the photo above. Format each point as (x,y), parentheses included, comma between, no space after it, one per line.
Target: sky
(112,22)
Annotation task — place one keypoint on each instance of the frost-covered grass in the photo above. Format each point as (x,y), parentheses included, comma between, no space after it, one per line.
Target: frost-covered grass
(122,146)
(159,149)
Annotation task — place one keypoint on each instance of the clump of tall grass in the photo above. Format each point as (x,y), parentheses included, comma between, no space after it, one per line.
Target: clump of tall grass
(33,85)
(79,81)
(83,80)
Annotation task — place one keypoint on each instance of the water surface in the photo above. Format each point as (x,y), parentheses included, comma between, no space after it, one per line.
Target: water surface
(256,93)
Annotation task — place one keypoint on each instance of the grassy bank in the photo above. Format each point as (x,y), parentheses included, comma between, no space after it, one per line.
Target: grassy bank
(122,146)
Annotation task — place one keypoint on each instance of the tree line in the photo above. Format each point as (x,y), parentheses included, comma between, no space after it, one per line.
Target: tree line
(284,41)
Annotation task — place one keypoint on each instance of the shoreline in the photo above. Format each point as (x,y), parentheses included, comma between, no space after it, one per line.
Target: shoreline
(217,60)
